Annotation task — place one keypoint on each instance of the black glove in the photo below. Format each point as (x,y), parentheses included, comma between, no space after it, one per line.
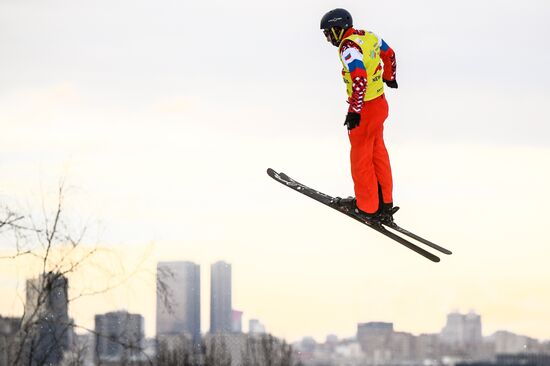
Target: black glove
(391,83)
(352,120)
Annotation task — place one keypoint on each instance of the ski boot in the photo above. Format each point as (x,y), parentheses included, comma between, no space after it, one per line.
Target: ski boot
(350,204)
(386,212)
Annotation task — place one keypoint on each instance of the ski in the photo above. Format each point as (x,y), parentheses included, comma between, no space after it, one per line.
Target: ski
(332,203)
(396,227)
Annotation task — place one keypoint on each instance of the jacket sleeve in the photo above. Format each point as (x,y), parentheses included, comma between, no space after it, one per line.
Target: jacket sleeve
(352,58)
(388,59)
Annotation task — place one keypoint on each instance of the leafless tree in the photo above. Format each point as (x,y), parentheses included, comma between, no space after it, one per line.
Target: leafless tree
(217,353)
(267,350)
(46,333)
(8,218)
(176,350)
(229,349)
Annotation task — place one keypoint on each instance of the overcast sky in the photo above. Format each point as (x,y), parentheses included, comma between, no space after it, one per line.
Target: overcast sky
(166,114)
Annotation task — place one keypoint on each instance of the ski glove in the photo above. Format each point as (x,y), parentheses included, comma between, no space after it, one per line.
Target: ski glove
(352,120)
(391,83)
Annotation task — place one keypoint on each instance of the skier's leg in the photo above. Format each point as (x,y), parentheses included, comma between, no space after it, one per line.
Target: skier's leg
(381,159)
(362,167)
(382,167)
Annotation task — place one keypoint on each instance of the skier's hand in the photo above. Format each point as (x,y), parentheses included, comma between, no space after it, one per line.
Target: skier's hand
(391,83)
(352,120)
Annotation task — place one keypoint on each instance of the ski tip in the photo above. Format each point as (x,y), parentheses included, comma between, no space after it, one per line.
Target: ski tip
(277,175)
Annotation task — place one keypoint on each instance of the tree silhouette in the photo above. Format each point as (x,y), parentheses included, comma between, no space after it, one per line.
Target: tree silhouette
(46,335)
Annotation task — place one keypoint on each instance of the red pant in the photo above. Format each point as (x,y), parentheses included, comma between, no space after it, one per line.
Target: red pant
(370,163)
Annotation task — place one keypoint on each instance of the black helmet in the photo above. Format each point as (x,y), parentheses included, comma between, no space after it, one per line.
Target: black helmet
(337,18)
(334,24)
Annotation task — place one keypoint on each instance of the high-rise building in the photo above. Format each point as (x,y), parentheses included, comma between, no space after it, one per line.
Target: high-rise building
(237,321)
(461,336)
(472,329)
(453,331)
(462,330)
(178,300)
(220,297)
(46,320)
(119,336)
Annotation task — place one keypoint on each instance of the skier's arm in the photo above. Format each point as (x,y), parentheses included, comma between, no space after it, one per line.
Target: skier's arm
(353,61)
(390,65)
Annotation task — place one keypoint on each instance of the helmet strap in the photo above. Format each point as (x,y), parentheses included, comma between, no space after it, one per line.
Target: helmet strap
(337,36)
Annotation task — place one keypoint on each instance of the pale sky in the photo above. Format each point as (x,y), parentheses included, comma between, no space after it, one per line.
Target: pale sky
(165,115)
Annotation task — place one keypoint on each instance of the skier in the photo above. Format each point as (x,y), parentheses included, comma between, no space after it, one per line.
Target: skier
(360,53)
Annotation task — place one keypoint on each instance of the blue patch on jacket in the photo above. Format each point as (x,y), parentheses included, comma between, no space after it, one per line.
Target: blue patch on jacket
(356,64)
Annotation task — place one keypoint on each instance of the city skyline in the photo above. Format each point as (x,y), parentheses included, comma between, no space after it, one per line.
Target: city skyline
(459,327)
(248,315)
(119,335)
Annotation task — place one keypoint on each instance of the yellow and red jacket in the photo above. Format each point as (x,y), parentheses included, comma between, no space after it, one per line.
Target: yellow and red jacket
(367,60)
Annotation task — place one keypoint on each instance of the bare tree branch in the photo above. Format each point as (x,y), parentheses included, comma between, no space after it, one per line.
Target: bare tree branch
(61,256)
